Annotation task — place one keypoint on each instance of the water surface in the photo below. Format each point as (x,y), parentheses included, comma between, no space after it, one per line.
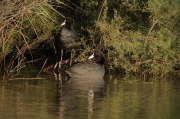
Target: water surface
(115,98)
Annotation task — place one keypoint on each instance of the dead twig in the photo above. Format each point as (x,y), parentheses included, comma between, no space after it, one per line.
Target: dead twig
(101,10)
(41,68)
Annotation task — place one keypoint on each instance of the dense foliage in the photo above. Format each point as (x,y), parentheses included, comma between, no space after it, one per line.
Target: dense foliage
(139,35)
(136,35)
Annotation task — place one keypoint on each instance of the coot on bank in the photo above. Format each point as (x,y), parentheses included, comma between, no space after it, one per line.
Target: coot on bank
(67,38)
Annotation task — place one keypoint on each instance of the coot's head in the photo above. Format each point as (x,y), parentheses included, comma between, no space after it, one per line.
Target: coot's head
(68,22)
(98,56)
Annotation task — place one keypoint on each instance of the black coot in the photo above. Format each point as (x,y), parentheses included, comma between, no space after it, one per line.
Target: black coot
(89,70)
(67,38)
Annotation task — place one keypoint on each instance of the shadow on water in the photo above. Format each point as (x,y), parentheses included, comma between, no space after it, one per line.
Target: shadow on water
(113,97)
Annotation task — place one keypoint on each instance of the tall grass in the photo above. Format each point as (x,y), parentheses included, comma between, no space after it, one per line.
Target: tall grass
(23,26)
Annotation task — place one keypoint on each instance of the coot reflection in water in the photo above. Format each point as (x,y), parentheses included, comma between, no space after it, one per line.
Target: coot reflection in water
(85,83)
(80,95)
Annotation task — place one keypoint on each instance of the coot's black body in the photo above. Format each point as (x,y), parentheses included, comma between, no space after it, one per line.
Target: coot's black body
(89,70)
(68,37)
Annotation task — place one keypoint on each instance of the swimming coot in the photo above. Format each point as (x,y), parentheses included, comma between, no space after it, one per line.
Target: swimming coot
(89,69)
(67,38)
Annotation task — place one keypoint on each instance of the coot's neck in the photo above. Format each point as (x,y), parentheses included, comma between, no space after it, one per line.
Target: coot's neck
(101,61)
(70,26)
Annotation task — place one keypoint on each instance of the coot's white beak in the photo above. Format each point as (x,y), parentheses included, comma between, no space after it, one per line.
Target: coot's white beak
(63,23)
(92,56)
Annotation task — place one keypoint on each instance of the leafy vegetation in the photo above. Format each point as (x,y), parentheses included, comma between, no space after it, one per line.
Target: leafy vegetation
(140,36)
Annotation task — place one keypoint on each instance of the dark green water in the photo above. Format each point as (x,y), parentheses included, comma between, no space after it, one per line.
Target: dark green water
(116,98)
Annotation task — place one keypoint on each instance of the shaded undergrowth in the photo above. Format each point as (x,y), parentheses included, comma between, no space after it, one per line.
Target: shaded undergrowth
(140,36)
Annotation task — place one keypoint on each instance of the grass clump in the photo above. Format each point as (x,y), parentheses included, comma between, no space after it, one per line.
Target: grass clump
(24,25)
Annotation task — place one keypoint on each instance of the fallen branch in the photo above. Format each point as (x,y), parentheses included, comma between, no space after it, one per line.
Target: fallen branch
(26,78)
